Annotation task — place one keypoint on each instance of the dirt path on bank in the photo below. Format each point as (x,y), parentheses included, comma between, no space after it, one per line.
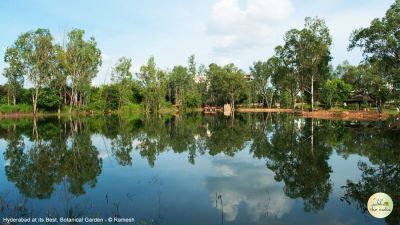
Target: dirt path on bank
(345,115)
(244,110)
(321,114)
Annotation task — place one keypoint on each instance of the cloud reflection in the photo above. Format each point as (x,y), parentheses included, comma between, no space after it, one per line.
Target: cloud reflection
(241,182)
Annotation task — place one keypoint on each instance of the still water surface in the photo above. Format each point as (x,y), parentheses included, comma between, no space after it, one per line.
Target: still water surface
(194,169)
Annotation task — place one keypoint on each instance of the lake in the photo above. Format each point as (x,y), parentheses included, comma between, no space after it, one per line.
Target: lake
(196,169)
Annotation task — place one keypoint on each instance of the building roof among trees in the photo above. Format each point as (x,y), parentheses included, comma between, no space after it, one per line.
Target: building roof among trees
(360,99)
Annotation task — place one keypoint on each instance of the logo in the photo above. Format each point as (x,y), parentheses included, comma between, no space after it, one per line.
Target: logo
(380,205)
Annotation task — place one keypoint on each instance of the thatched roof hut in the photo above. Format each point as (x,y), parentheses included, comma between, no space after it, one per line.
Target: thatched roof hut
(360,99)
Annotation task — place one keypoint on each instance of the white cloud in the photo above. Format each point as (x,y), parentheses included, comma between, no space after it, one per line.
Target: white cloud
(236,27)
(222,60)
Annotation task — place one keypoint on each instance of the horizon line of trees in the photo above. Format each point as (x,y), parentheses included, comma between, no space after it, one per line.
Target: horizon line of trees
(299,72)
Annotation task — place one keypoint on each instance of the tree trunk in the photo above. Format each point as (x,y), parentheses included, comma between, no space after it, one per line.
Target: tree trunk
(312,92)
(33,106)
(232,103)
(270,102)
(302,91)
(79,101)
(147,105)
(71,100)
(14,93)
(34,101)
(8,97)
(65,97)
(293,100)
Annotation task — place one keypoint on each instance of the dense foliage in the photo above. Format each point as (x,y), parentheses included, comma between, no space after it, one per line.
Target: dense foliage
(299,74)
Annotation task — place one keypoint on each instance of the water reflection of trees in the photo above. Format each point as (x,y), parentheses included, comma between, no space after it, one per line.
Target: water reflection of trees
(380,174)
(193,134)
(296,150)
(55,152)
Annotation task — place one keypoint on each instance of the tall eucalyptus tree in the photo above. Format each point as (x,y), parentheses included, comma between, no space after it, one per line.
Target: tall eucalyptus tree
(32,54)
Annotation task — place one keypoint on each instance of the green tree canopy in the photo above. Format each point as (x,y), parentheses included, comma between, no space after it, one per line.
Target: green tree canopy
(122,77)
(380,43)
(81,61)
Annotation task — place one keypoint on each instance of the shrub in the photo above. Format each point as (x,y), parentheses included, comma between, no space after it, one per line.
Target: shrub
(132,107)
(49,100)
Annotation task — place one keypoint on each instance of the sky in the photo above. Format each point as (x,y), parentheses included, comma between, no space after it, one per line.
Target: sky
(221,31)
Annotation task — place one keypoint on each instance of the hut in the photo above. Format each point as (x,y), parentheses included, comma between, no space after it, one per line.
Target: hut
(359,99)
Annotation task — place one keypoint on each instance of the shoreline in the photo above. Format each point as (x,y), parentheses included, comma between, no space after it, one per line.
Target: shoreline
(326,114)
(346,115)
(251,110)
(319,114)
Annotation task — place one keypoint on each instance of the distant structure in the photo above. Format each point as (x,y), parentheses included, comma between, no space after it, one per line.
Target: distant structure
(200,78)
(248,77)
(211,109)
(359,99)
(227,110)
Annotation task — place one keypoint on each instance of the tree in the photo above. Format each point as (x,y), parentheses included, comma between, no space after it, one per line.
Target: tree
(303,61)
(192,71)
(122,77)
(153,82)
(81,61)
(179,82)
(261,72)
(110,94)
(59,78)
(284,75)
(3,94)
(380,44)
(333,91)
(366,80)
(315,56)
(14,74)
(352,75)
(49,99)
(375,84)
(192,96)
(227,83)
(33,55)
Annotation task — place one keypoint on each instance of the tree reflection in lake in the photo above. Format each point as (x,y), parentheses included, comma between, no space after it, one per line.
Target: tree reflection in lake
(383,175)
(294,152)
(52,155)
(298,156)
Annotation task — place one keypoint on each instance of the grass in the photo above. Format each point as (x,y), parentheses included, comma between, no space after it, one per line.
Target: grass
(132,108)
(392,112)
(20,108)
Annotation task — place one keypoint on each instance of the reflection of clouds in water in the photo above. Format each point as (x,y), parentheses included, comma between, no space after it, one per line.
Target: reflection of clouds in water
(103,145)
(243,182)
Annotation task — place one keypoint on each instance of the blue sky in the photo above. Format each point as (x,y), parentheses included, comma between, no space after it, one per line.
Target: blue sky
(222,31)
